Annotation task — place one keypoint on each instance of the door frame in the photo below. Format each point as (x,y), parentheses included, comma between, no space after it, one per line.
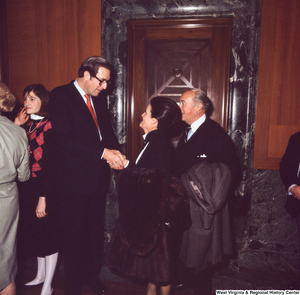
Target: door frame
(218,29)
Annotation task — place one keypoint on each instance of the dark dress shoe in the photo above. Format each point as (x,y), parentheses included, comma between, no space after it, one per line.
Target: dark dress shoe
(97,286)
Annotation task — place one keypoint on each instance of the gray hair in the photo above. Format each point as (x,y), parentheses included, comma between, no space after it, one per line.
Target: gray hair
(201,97)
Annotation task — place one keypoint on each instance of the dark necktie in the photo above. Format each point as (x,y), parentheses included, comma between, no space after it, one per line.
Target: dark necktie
(145,142)
(186,132)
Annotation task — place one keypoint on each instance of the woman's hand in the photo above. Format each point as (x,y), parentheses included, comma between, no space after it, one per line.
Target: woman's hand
(22,117)
(41,208)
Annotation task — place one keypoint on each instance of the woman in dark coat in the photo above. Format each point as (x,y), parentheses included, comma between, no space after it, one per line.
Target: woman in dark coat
(139,246)
(39,225)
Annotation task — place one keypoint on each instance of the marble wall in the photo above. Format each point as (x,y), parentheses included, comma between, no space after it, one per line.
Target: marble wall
(264,233)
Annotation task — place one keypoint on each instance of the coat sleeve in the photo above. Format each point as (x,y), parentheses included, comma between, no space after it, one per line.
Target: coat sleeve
(24,168)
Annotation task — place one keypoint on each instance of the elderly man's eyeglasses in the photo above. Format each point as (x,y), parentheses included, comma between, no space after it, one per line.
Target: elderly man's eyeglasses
(102,81)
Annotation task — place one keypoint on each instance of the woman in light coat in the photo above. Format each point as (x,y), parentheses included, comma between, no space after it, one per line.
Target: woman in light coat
(14,164)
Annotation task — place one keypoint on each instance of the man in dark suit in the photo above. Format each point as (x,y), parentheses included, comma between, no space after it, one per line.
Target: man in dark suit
(290,175)
(203,140)
(85,138)
(289,166)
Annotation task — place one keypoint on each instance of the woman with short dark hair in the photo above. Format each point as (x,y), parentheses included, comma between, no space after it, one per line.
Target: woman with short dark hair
(139,246)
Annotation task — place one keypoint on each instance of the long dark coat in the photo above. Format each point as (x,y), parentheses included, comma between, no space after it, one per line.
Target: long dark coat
(209,237)
(139,245)
(209,144)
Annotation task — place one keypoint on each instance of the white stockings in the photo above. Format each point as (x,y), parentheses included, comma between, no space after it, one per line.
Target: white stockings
(45,272)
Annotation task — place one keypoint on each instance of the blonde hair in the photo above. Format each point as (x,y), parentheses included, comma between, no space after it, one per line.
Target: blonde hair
(7,99)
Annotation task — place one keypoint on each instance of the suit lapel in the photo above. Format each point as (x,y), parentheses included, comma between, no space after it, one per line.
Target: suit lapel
(83,111)
(77,98)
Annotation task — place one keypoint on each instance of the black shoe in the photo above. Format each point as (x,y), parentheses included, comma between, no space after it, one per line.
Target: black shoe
(97,286)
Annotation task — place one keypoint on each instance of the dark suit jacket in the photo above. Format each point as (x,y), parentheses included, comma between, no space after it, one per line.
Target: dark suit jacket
(290,162)
(210,142)
(158,154)
(80,148)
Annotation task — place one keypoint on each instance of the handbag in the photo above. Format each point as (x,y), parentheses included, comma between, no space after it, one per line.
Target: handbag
(178,215)
(292,205)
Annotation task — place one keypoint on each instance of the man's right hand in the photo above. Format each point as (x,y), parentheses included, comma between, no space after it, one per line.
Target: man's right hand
(295,190)
(114,158)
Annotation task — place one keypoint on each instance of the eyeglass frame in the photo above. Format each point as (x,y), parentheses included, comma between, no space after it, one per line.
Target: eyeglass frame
(103,81)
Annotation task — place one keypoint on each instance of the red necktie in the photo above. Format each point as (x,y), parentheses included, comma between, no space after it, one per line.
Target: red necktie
(88,103)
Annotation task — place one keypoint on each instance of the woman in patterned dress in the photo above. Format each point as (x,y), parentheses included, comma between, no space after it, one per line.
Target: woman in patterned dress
(39,224)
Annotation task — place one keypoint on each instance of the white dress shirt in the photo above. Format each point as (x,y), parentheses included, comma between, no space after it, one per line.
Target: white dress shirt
(195,125)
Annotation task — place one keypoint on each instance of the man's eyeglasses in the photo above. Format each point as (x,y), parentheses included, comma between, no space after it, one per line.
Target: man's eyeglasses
(102,81)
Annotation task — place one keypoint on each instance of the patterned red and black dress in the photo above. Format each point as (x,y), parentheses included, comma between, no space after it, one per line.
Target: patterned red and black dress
(40,236)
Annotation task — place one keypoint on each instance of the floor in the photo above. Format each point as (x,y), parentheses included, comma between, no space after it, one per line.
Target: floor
(114,288)
(225,278)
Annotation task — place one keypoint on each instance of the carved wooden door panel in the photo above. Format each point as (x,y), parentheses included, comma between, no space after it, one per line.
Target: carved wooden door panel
(168,57)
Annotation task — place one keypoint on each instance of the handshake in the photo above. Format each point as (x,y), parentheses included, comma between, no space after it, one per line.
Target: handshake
(115,159)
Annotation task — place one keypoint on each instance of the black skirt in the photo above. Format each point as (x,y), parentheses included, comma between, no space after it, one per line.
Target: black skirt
(38,237)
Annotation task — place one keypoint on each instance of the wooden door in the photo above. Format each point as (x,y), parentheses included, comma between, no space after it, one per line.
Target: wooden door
(278,89)
(168,57)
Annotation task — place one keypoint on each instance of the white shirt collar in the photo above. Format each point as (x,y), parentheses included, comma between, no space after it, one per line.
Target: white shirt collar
(82,93)
(36,117)
(195,125)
